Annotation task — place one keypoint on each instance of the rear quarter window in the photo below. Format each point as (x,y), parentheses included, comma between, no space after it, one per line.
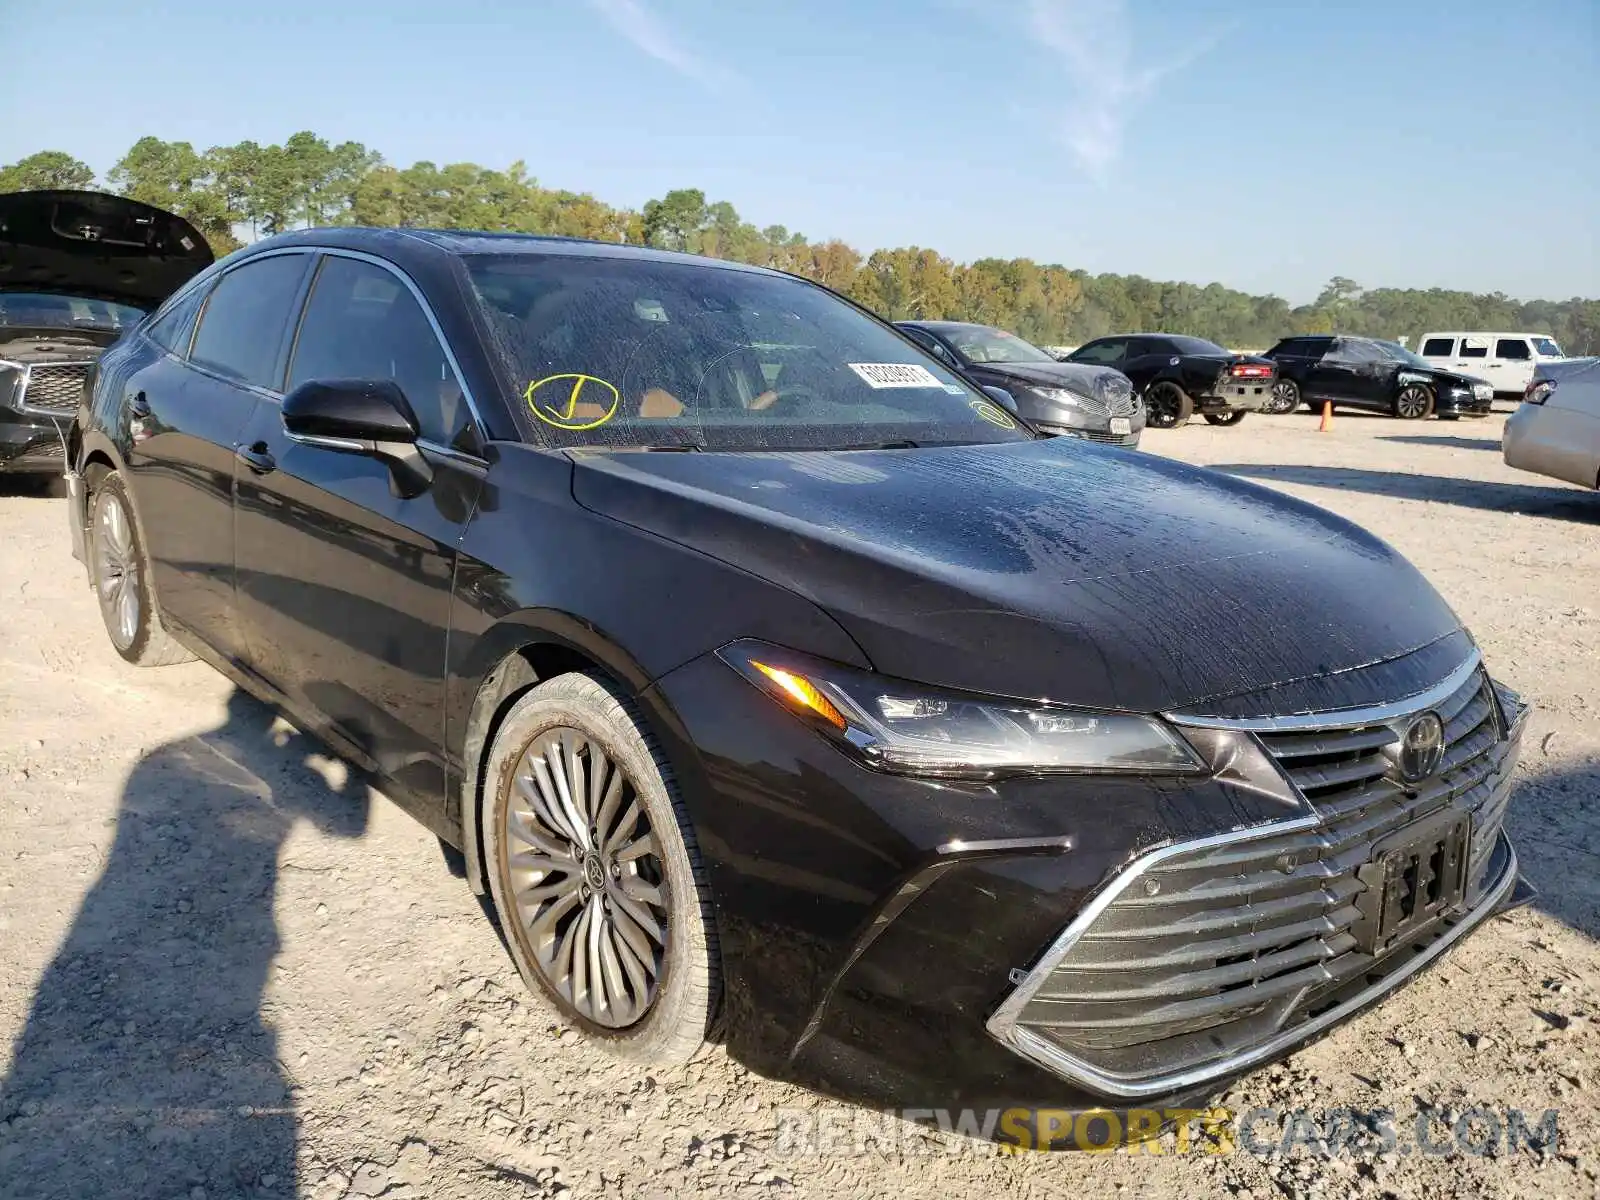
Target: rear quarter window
(1438,347)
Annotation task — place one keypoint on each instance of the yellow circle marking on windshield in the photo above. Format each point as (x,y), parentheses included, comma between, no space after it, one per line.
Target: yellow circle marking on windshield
(558,406)
(993,415)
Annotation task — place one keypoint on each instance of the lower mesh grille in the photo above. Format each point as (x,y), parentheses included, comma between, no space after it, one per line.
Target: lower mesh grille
(1223,945)
(54,389)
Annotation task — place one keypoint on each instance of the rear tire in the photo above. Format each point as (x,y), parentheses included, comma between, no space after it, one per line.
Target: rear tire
(120,573)
(596,874)
(1285,397)
(1167,406)
(1227,418)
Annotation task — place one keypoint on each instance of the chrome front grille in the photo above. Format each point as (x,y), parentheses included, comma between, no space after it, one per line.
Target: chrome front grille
(1110,439)
(53,389)
(1205,951)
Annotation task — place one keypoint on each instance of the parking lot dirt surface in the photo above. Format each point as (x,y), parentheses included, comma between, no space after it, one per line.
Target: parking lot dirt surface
(228,970)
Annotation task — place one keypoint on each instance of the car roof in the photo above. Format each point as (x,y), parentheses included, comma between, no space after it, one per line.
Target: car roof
(403,245)
(1486,333)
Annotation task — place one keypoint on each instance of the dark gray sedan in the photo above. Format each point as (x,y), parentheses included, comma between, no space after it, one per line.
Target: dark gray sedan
(1070,399)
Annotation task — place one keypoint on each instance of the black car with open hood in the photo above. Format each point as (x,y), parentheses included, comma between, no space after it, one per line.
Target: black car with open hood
(76,270)
(778,684)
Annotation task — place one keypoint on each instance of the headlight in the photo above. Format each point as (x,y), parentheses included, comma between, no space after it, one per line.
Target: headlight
(912,729)
(1482,391)
(1060,396)
(1113,390)
(11,375)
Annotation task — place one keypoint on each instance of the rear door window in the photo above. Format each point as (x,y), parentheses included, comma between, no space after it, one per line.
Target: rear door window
(1438,347)
(1514,349)
(241,330)
(173,328)
(1474,347)
(362,322)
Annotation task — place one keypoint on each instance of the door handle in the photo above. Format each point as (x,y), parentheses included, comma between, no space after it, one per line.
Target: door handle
(138,406)
(257,457)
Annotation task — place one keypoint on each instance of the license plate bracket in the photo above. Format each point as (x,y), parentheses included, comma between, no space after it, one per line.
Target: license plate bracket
(1415,877)
(1122,426)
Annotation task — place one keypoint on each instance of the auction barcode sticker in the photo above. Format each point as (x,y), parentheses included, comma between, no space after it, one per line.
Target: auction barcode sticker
(895,375)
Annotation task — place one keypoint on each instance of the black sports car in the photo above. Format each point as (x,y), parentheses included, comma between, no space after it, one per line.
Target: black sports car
(1179,376)
(1380,376)
(76,269)
(1097,403)
(773,680)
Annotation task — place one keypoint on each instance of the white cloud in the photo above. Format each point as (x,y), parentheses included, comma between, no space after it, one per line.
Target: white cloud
(1094,41)
(636,22)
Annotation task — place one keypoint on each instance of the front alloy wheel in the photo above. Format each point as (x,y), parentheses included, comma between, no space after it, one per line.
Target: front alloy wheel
(588,887)
(1225,418)
(595,871)
(1413,403)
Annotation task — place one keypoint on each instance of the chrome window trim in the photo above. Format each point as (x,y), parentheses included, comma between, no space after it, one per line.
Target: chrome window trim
(1003,1024)
(323,442)
(1341,718)
(199,318)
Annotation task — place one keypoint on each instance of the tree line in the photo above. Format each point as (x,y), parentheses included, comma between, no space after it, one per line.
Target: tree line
(258,190)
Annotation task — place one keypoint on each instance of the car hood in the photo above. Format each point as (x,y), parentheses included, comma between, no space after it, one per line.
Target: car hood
(96,246)
(1443,378)
(1045,569)
(1079,377)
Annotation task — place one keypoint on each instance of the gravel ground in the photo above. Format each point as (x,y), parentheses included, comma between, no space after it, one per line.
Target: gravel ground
(227,970)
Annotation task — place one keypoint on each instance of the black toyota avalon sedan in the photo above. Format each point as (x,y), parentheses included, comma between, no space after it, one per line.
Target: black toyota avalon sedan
(776,682)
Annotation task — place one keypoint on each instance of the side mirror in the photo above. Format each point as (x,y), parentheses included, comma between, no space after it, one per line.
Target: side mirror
(1003,398)
(360,416)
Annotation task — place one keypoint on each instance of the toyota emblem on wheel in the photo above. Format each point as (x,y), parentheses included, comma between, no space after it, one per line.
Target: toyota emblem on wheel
(1422,748)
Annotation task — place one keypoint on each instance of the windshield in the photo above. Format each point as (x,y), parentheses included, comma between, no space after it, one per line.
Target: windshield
(1400,354)
(981,344)
(618,352)
(64,312)
(1543,345)
(1194,345)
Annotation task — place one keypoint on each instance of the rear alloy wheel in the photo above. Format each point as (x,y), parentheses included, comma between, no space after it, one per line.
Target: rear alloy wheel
(121,577)
(595,872)
(1413,403)
(1168,406)
(1285,397)
(1227,418)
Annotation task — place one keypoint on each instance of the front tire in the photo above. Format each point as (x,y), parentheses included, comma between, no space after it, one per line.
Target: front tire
(1167,406)
(595,872)
(120,573)
(1413,403)
(1227,418)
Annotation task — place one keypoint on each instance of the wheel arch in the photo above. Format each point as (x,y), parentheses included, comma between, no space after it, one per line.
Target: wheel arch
(523,650)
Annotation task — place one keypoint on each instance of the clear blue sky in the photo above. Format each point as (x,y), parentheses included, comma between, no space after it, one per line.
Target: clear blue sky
(1267,144)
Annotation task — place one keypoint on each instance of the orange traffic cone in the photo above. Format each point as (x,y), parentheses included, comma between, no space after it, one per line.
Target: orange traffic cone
(1327,417)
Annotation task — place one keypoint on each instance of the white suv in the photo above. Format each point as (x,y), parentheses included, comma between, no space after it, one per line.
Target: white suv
(1506,360)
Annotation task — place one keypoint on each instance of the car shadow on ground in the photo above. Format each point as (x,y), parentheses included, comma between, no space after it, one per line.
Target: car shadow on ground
(1456,443)
(1565,503)
(165,965)
(45,487)
(1554,823)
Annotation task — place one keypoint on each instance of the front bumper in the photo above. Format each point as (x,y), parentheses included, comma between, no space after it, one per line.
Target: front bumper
(1451,404)
(838,888)
(29,444)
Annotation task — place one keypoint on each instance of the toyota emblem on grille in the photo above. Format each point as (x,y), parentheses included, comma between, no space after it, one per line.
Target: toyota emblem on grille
(1421,748)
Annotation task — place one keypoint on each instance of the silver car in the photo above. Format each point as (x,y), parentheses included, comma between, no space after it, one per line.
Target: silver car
(1556,429)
